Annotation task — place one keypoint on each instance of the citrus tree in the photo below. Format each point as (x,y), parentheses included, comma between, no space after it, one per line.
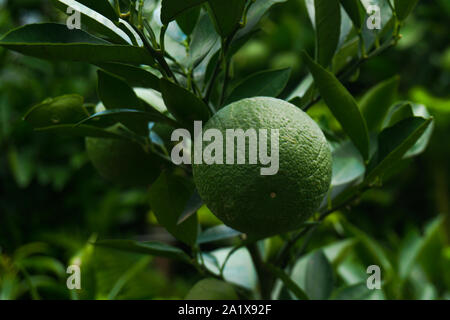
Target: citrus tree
(162,65)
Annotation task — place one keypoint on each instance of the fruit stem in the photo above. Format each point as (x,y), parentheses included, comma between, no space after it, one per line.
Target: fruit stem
(264,275)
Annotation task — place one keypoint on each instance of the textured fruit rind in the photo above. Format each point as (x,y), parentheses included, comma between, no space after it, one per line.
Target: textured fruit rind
(267,205)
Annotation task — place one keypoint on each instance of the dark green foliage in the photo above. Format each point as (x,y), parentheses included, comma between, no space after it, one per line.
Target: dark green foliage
(379,96)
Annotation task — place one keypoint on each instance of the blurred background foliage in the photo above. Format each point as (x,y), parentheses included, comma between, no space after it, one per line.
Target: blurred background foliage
(53,204)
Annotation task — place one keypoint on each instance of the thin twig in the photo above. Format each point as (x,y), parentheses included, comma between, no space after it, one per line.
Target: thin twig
(224,52)
(156,54)
(264,277)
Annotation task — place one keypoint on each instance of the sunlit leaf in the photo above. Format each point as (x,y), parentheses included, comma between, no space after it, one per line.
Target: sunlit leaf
(239,268)
(96,15)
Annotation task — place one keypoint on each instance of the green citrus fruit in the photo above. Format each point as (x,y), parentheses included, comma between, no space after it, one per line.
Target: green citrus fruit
(123,162)
(267,205)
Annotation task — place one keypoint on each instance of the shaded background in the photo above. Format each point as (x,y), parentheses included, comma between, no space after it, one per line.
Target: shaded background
(52,202)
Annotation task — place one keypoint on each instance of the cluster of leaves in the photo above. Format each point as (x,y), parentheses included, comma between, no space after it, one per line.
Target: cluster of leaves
(170,63)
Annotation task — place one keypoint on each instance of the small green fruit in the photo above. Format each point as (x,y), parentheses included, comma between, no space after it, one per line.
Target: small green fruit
(123,162)
(260,205)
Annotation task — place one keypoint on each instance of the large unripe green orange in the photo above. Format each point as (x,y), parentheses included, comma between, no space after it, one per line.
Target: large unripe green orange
(123,162)
(267,205)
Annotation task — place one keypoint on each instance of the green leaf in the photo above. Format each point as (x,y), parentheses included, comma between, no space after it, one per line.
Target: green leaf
(217,233)
(303,93)
(346,53)
(151,248)
(387,21)
(101,6)
(171,9)
(194,203)
(182,104)
(319,277)
(124,115)
(239,269)
(376,102)
(42,265)
(254,15)
(135,120)
(135,77)
(372,247)
(152,98)
(212,289)
(85,258)
(342,105)
(348,164)
(342,30)
(124,275)
(131,272)
(188,20)
(413,246)
(168,198)
(394,142)
(226,15)
(327,25)
(53,41)
(400,111)
(261,84)
(353,9)
(405,110)
(61,110)
(204,38)
(421,144)
(403,8)
(97,16)
(291,285)
(115,93)
(353,272)
(81,131)
(335,253)
(357,291)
